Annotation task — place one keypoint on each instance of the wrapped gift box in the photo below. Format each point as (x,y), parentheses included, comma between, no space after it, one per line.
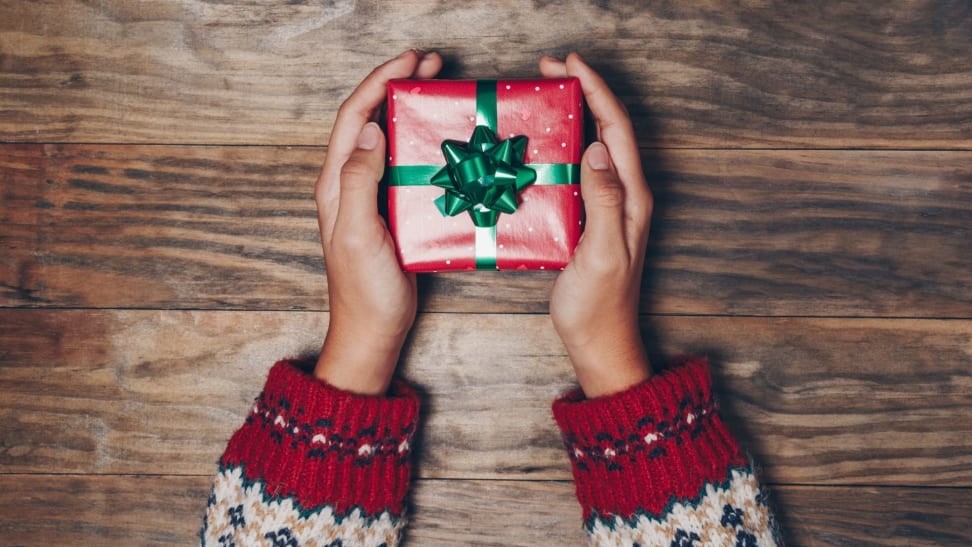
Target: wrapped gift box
(542,122)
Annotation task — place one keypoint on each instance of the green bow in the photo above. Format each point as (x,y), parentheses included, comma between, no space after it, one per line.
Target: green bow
(482,176)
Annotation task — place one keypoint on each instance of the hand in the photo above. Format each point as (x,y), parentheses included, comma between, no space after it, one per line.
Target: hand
(594,303)
(373,302)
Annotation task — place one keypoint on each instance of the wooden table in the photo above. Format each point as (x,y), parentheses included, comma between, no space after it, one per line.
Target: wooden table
(159,250)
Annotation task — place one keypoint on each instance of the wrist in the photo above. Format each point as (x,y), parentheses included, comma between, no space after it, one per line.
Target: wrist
(609,364)
(357,361)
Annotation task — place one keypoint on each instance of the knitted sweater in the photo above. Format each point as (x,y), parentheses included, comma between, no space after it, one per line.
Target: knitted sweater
(653,465)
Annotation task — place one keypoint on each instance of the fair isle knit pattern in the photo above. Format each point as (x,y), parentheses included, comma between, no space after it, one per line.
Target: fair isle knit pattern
(655,465)
(240,513)
(314,465)
(732,513)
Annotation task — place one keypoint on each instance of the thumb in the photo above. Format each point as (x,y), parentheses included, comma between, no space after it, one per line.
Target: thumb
(361,173)
(603,196)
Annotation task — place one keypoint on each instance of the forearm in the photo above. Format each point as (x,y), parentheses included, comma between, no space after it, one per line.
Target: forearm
(315,464)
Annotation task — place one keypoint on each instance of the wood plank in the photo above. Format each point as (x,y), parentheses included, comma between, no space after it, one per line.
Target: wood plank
(159,227)
(815,400)
(159,510)
(873,516)
(102,510)
(820,233)
(693,75)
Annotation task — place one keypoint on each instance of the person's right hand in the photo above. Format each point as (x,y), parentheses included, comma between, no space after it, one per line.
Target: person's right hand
(373,303)
(594,303)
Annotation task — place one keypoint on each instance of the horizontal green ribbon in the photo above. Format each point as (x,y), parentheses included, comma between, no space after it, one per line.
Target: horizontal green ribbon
(547,173)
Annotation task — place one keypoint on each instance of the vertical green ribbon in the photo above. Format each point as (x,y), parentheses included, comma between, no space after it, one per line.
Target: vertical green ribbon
(486,103)
(486,115)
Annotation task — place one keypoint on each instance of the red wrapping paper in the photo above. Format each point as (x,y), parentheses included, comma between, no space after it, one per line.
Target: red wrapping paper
(547,224)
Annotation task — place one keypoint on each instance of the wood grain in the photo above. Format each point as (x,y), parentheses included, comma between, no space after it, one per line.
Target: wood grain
(166,510)
(147,227)
(817,401)
(815,233)
(812,168)
(101,510)
(873,516)
(709,74)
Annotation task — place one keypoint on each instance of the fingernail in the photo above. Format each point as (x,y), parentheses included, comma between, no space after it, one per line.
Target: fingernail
(417,51)
(597,157)
(369,136)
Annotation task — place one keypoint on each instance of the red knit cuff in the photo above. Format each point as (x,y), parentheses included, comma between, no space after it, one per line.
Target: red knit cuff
(634,451)
(323,446)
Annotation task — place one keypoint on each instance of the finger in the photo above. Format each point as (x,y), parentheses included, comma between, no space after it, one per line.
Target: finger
(614,125)
(429,66)
(368,96)
(360,176)
(604,197)
(551,67)
(360,106)
(353,114)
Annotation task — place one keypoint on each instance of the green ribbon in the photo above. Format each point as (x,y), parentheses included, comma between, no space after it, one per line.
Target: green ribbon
(484,175)
(547,173)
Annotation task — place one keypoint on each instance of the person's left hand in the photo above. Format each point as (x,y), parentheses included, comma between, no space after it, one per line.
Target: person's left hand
(594,302)
(373,303)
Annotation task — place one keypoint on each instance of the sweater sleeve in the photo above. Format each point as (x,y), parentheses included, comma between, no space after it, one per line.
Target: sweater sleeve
(656,465)
(314,465)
